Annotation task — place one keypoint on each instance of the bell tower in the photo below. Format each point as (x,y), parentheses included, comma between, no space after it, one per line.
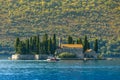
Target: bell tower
(60,42)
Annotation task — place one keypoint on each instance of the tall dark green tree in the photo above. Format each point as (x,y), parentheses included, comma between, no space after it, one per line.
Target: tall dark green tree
(45,43)
(34,44)
(42,48)
(27,46)
(88,47)
(38,44)
(85,45)
(50,46)
(70,40)
(96,46)
(79,41)
(54,43)
(31,44)
(22,48)
(17,41)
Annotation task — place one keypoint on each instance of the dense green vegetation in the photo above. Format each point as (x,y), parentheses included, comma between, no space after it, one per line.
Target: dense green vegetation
(70,40)
(34,45)
(96,46)
(67,55)
(86,44)
(94,18)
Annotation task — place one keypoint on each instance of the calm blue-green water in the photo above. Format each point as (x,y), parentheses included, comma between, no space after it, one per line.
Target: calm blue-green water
(63,70)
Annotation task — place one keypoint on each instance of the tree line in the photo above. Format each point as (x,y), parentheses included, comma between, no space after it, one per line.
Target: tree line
(85,43)
(35,45)
(48,45)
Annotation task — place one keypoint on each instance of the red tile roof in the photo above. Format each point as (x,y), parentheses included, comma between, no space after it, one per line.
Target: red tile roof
(71,45)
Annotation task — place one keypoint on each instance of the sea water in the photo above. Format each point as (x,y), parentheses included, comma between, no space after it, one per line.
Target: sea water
(61,70)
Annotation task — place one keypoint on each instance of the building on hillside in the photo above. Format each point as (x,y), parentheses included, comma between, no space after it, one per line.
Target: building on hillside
(70,48)
(75,49)
(90,54)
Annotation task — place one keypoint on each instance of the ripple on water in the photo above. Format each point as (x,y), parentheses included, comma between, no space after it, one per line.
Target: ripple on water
(63,70)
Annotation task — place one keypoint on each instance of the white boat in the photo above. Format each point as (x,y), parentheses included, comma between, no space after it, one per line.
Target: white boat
(84,59)
(53,59)
(109,58)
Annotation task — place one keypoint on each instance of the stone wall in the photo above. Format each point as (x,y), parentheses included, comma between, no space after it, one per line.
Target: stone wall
(24,57)
(43,56)
(91,54)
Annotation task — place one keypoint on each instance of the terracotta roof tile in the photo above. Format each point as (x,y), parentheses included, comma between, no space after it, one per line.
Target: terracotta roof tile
(72,45)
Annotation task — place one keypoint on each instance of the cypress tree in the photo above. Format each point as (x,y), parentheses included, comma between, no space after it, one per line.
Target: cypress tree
(50,47)
(85,46)
(22,48)
(96,46)
(45,43)
(42,48)
(38,44)
(88,46)
(54,43)
(27,46)
(79,41)
(34,47)
(70,40)
(31,44)
(17,41)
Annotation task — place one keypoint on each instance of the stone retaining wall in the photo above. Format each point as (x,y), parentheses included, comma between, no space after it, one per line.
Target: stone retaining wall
(24,57)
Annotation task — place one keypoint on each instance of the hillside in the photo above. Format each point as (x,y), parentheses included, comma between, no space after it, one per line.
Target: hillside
(94,18)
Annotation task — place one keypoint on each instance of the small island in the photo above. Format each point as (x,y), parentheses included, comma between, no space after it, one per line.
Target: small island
(37,48)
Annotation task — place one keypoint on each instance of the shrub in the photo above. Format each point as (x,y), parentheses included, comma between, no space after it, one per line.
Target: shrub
(100,56)
(67,55)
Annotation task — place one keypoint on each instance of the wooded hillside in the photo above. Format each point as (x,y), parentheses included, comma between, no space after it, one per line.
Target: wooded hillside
(94,18)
